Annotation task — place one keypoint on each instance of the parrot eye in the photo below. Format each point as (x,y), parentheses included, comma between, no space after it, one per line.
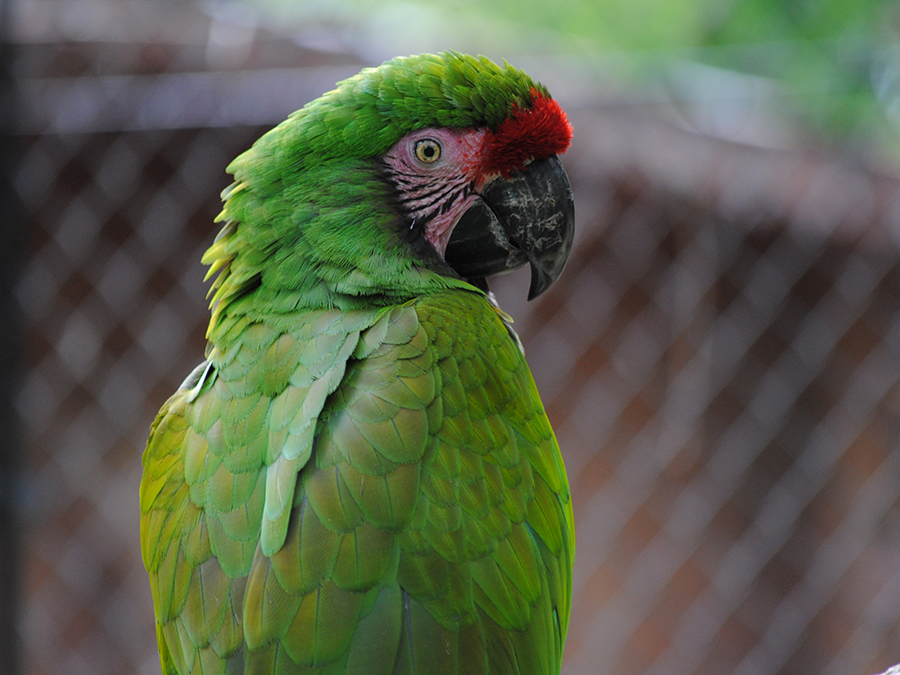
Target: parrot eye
(428,151)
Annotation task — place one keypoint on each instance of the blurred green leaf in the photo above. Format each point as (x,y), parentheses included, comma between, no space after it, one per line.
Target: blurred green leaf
(836,63)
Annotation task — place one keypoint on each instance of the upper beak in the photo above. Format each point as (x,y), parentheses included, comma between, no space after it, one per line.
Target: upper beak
(527,218)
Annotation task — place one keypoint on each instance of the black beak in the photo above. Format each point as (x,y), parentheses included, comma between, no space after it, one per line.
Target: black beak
(527,218)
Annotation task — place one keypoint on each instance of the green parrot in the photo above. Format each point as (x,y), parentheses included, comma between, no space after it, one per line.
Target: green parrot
(360,478)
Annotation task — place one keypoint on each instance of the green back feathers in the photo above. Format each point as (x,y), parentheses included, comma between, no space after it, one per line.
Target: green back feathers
(310,223)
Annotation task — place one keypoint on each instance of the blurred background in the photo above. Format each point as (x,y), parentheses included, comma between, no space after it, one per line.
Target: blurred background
(721,358)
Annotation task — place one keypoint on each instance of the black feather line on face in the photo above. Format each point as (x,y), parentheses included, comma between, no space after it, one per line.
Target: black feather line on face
(436,188)
(437,200)
(411,230)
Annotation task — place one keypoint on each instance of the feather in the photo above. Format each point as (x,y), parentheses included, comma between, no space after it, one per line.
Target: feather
(360,477)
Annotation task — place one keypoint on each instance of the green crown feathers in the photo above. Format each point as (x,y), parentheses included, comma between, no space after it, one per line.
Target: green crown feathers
(369,112)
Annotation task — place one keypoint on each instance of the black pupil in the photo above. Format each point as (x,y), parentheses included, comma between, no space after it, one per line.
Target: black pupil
(428,150)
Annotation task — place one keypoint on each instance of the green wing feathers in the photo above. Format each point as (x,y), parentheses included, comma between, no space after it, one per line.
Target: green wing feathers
(372,492)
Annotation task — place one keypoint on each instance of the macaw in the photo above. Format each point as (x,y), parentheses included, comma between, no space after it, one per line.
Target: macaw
(360,478)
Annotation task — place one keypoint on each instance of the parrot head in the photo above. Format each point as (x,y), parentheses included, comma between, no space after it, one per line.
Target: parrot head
(490,200)
(424,173)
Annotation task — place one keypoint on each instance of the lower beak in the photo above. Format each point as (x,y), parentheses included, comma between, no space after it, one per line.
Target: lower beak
(527,218)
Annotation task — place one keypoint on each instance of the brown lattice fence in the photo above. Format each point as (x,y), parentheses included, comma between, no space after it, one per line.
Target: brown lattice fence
(720,360)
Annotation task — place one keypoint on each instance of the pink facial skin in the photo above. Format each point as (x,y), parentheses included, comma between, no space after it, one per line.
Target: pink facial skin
(438,192)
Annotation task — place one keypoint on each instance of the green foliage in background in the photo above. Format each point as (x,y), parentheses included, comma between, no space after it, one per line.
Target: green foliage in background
(834,63)
(835,58)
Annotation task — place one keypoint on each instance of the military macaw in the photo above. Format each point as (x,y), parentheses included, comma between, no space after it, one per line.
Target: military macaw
(360,478)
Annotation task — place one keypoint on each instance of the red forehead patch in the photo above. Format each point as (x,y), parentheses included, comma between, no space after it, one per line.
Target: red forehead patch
(535,132)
